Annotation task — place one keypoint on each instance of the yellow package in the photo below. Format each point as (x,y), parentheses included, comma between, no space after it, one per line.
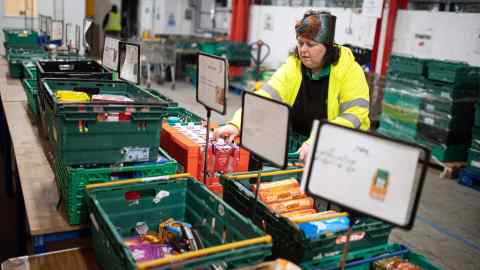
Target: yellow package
(67,96)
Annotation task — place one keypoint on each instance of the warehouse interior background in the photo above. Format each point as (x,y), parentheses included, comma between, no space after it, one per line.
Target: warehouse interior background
(446,229)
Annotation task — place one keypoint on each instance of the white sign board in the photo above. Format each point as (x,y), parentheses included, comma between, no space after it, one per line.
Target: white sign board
(264,129)
(49,26)
(110,53)
(43,23)
(129,62)
(56,30)
(212,82)
(366,173)
(69,35)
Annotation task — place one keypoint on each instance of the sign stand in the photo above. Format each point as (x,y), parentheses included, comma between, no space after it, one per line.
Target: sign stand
(353,217)
(207,141)
(354,169)
(258,182)
(212,82)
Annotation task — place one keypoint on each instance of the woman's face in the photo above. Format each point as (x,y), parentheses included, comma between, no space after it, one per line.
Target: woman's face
(311,53)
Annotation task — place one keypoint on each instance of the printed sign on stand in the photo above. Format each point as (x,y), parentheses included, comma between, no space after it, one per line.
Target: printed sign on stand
(110,53)
(367,173)
(129,67)
(56,30)
(212,82)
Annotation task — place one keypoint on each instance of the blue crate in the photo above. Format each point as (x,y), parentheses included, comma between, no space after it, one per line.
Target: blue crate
(469,178)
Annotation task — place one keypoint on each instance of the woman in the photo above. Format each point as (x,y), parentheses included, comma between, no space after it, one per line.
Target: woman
(321,80)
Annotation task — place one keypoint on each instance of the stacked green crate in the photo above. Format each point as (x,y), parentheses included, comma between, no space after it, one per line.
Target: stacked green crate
(31,91)
(102,132)
(16,57)
(474,151)
(402,99)
(19,38)
(447,113)
(237,53)
(430,102)
(71,180)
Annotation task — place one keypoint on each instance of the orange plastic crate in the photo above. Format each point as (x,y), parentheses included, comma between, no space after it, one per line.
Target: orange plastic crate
(187,153)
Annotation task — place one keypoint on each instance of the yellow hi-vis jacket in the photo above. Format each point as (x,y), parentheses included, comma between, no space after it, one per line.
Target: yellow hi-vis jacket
(114,22)
(348,95)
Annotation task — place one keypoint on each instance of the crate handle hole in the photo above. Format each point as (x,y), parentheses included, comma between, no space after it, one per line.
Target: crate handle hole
(135,195)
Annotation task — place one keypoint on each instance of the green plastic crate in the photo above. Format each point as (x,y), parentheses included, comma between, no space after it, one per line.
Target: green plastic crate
(456,109)
(71,181)
(30,87)
(364,259)
(391,127)
(403,96)
(419,86)
(476,139)
(445,153)
(477,115)
(16,59)
(217,223)
(78,69)
(288,241)
(183,114)
(20,36)
(29,70)
(406,64)
(233,51)
(162,97)
(458,73)
(452,92)
(15,69)
(458,123)
(94,133)
(474,159)
(401,114)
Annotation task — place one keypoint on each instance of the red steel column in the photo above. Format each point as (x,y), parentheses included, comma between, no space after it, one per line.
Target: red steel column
(394,6)
(239,26)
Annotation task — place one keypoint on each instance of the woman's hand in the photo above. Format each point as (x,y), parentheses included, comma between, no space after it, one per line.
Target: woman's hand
(227,131)
(303,151)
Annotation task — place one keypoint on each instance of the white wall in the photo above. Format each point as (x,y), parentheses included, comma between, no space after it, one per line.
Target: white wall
(275,26)
(74,13)
(168,17)
(453,36)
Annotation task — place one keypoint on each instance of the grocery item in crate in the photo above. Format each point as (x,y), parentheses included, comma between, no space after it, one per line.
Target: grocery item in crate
(280,194)
(299,213)
(111,98)
(173,237)
(316,229)
(306,217)
(292,182)
(292,205)
(394,263)
(67,96)
(223,156)
(142,251)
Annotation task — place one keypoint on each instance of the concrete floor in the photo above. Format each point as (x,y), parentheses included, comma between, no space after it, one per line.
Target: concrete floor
(446,230)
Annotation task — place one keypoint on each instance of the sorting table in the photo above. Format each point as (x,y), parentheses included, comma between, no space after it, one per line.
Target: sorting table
(28,170)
